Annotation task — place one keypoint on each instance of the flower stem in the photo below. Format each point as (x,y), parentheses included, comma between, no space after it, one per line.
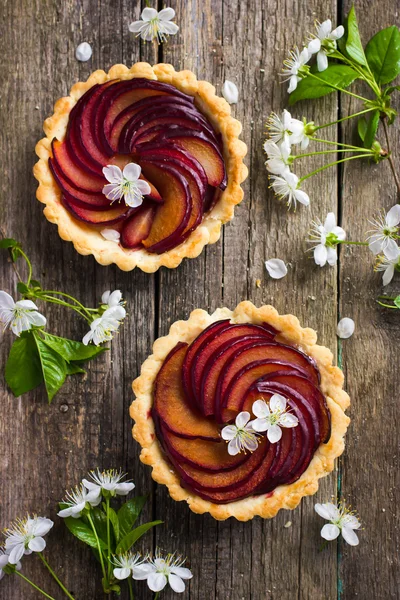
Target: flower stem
(337,151)
(66,304)
(38,589)
(391,163)
(333,164)
(108,536)
(156,596)
(352,243)
(131,596)
(338,144)
(368,79)
(98,547)
(323,545)
(357,114)
(62,586)
(335,87)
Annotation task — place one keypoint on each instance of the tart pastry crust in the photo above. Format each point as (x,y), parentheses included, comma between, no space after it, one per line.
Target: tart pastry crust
(87,239)
(284,496)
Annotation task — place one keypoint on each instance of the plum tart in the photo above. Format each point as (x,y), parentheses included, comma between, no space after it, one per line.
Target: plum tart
(239,413)
(141,166)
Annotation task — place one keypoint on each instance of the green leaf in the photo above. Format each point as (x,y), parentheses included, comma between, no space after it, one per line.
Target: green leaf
(383,54)
(354,46)
(389,90)
(35,284)
(22,287)
(73,368)
(9,243)
(100,523)
(397,301)
(54,367)
(127,542)
(129,512)
(362,126)
(335,75)
(115,523)
(371,129)
(23,368)
(82,531)
(71,350)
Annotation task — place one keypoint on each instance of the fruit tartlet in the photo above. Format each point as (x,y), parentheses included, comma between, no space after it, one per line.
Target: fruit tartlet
(141,167)
(239,413)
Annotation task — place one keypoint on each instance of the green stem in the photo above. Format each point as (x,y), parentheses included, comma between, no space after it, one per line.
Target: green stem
(357,114)
(38,589)
(337,151)
(156,596)
(333,164)
(391,163)
(323,545)
(131,596)
(387,297)
(387,305)
(78,304)
(353,243)
(337,144)
(108,536)
(368,79)
(98,547)
(62,586)
(66,304)
(337,88)
(28,262)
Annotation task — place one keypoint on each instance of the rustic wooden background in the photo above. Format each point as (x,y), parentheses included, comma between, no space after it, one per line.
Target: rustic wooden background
(44,450)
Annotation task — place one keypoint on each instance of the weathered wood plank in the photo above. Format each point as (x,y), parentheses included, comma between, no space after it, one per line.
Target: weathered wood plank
(370,465)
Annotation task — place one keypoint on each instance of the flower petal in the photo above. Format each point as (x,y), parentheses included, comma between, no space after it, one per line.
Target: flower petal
(43,526)
(16,554)
(113,174)
(339,232)
(331,256)
(320,255)
(330,532)
(351,521)
(166,14)
(156,582)
(392,253)
(292,83)
(350,536)
(337,33)
(143,187)
(345,328)
(393,216)
(26,305)
(324,29)
(132,172)
(251,443)
(322,61)
(228,432)
(330,222)
(35,318)
(136,26)
(83,52)
(288,420)
(169,28)
(176,583)
(182,572)
(277,402)
(6,301)
(111,235)
(276,268)
(260,424)
(274,434)
(314,46)
(122,573)
(327,511)
(141,572)
(260,409)
(230,92)
(122,489)
(302,197)
(65,512)
(148,14)
(234,446)
(242,419)
(37,544)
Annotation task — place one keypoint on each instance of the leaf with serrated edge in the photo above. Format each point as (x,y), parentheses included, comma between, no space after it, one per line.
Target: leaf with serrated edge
(353,42)
(72,350)
(383,54)
(337,75)
(23,368)
(54,367)
(129,540)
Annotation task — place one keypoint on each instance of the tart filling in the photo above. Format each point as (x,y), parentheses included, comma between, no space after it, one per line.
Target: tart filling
(250,377)
(146,157)
(157,127)
(203,386)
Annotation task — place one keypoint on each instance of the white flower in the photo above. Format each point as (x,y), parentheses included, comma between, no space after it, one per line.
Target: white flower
(112,298)
(278,157)
(125,564)
(76,501)
(125,184)
(159,571)
(294,67)
(385,228)
(271,418)
(19,315)
(301,132)
(345,328)
(4,561)
(276,268)
(101,329)
(111,235)
(230,92)
(388,263)
(108,481)
(342,520)
(286,186)
(83,52)
(155,25)
(286,130)
(241,436)
(327,236)
(325,42)
(25,536)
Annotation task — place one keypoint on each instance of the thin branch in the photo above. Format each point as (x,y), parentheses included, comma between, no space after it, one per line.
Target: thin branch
(391,162)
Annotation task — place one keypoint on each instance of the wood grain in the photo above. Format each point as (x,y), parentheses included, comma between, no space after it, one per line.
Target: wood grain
(44,450)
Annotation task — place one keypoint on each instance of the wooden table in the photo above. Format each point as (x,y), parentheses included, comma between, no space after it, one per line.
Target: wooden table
(45,449)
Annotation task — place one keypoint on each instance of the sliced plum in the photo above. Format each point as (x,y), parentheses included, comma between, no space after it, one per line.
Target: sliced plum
(97,217)
(137,227)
